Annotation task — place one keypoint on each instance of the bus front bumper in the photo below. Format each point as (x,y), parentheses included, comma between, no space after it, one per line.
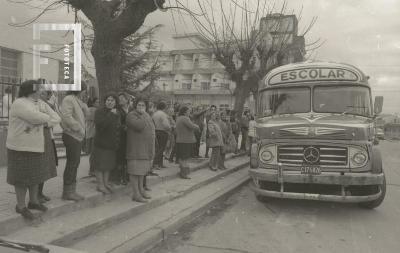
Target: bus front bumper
(348,179)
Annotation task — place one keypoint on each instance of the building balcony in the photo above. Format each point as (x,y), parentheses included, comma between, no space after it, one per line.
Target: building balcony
(202,92)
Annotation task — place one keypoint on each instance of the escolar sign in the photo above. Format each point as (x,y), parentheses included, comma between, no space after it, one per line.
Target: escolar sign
(312,74)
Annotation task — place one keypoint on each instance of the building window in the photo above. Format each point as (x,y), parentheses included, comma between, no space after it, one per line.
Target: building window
(186,86)
(205,85)
(177,58)
(8,63)
(223,107)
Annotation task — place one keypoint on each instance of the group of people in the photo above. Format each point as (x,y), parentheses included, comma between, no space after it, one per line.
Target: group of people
(128,139)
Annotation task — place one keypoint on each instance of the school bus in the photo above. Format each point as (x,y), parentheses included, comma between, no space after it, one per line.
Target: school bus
(316,136)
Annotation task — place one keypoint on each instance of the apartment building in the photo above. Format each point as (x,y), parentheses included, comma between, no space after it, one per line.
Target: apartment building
(192,75)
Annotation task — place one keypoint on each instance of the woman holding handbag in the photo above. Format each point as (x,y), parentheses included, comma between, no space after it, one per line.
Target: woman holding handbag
(185,140)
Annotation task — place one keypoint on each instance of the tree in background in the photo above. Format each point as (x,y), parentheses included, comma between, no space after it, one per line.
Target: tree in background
(137,68)
(112,22)
(249,38)
(232,30)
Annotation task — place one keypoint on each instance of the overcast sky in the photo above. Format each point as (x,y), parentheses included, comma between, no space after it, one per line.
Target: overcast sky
(365,33)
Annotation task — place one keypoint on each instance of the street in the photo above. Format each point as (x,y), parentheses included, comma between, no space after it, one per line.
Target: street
(242,224)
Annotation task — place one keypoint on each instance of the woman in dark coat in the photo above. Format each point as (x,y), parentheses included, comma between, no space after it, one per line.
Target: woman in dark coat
(106,142)
(119,174)
(140,148)
(185,140)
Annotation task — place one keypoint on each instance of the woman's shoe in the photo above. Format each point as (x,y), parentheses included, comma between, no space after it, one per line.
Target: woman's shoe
(147,188)
(152,173)
(184,173)
(110,188)
(41,199)
(25,213)
(37,206)
(102,190)
(44,197)
(139,199)
(184,176)
(212,168)
(145,195)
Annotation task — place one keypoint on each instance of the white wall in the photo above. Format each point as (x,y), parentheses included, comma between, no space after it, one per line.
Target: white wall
(48,71)
(187,42)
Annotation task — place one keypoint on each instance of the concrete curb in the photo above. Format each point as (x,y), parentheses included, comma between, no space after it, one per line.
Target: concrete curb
(95,199)
(70,238)
(159,233)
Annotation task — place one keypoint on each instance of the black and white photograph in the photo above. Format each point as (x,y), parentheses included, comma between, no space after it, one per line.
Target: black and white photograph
(204,126)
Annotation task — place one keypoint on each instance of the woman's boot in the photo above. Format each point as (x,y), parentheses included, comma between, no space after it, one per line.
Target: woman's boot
(184,170)
(141,188)
(100,182)
(69,193)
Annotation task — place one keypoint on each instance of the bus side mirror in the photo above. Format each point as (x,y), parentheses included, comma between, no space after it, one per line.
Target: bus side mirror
(378,104)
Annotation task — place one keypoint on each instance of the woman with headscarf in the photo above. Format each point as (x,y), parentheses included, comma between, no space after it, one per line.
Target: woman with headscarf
(140,148)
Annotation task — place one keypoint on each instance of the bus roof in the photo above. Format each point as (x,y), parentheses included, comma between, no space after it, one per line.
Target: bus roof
(313,72)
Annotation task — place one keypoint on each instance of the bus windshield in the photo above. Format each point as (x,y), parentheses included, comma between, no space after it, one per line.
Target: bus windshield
(353,100)
(285,101)
(342,99)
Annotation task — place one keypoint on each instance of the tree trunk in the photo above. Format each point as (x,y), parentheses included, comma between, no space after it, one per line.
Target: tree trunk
(241,94)
(106,53)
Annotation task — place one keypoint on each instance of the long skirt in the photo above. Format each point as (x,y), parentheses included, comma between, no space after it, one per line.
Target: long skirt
(104,159)
(184,150)
(139,167)
(31,168)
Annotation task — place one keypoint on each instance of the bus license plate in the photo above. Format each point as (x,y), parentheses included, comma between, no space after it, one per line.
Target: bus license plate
(310,170)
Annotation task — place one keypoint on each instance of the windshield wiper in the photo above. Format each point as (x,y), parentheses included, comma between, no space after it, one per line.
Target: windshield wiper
(351,107)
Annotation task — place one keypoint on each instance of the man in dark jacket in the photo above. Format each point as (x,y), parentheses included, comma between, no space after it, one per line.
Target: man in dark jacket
(244,127)
(212,108)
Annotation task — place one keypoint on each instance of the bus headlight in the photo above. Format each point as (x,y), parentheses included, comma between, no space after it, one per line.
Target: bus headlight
(358,157)
(267,154)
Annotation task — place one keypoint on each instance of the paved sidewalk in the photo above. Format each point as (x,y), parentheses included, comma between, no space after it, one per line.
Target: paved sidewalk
(53,187)
(85,185)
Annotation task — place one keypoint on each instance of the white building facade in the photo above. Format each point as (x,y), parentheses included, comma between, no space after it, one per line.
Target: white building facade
(193,75)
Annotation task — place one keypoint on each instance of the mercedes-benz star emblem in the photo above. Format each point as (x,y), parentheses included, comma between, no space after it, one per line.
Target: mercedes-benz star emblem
(311,154)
